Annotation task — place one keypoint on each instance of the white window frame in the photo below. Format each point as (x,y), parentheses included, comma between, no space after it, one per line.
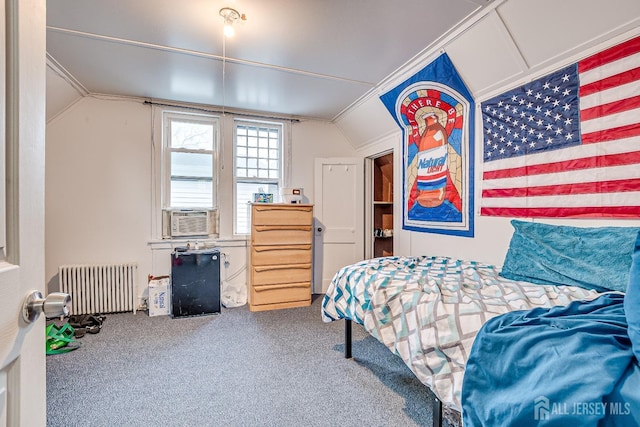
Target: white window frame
(283,162)
(163,165)
(167,117)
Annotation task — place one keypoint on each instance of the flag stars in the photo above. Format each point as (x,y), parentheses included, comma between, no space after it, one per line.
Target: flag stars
(533,117)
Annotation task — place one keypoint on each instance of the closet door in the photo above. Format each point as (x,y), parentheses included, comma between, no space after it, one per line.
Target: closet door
(339,210)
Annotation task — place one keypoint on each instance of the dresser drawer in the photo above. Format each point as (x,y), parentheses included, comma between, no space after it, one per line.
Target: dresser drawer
(282,254)
(280,293)
(281,235)
(277,274)
(266,214)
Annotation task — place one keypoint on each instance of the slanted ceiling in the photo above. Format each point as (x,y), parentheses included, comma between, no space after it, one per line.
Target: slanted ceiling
(302,58)
(507,44)
(326,60)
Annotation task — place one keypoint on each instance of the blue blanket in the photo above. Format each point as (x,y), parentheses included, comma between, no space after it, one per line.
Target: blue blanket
(564,366)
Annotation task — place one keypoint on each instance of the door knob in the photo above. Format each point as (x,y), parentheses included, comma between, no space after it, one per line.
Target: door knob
(56,304)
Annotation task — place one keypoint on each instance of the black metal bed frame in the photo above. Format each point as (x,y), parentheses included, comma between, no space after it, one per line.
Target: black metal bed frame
(348,341)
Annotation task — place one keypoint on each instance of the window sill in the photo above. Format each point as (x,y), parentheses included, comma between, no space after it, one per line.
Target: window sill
(164,244)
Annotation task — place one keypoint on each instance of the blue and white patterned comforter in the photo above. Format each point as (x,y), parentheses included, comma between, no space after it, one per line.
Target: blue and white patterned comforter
(428,310)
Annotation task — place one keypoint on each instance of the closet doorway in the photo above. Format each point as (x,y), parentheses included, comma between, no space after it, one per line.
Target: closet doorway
(380,227)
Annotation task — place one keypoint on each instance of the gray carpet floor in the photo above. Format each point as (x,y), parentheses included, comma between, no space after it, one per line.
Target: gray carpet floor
(238,368)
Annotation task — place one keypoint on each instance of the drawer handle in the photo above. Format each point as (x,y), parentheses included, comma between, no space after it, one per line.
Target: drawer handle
(296,208)
(281,227)
(282,267)
(281,248)
(283,286)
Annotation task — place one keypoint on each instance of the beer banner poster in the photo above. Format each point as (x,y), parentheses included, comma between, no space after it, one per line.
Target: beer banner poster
(435,111)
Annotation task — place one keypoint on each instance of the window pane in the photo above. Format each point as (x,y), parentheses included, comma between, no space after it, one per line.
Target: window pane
(261,159)
(194,136)
(192,165)
(191,194)
(244,195)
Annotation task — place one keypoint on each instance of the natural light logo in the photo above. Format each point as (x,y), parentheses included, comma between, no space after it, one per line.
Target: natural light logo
(541,408)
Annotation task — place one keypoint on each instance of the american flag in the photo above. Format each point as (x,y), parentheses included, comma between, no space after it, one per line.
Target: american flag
(567,144)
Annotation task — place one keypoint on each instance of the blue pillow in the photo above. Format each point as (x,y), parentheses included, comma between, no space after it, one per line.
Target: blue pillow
(632,301)
(591,257)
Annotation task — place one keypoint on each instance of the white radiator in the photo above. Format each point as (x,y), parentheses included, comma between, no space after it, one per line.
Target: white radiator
(99,288)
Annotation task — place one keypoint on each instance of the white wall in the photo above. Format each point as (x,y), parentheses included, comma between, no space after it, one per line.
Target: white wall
(97,190)
(313,139)
(511,43)
(99,186)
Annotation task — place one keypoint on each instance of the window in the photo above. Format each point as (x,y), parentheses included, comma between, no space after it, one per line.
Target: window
(190,161)
(258,166)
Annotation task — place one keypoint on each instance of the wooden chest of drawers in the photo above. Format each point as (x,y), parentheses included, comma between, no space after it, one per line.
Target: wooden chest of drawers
(280,256)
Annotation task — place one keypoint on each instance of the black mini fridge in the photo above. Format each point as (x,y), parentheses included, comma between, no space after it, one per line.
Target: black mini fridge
(195,283)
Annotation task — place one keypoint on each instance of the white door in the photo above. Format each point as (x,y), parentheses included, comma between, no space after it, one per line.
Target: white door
(339,216)
(22,135)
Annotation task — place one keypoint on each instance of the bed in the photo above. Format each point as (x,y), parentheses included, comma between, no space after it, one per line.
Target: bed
(498,345)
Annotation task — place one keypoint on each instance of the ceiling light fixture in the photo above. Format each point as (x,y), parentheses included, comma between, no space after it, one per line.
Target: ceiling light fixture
(230,16)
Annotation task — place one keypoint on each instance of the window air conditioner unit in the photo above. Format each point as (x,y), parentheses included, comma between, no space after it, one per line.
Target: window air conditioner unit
(189,223)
